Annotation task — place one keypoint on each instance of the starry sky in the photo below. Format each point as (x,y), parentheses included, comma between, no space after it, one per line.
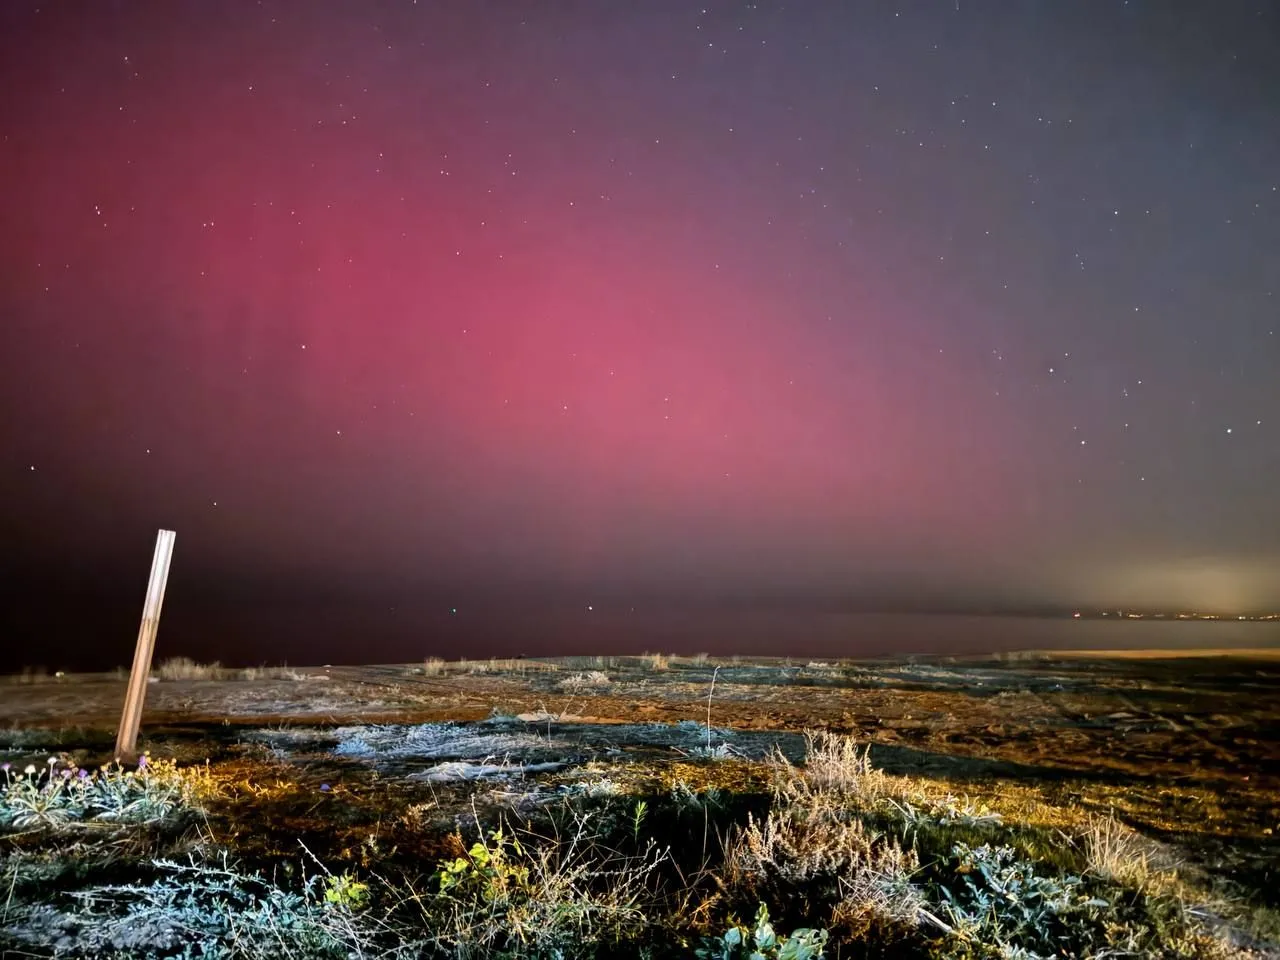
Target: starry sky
(390,308)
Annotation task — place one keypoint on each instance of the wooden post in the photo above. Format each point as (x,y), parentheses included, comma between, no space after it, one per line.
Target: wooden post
(127,738)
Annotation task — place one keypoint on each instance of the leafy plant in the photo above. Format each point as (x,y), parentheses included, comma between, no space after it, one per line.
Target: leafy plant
(637,818)
(53,796)
(1002,900)
(486,871)
(346,892)
(761,942)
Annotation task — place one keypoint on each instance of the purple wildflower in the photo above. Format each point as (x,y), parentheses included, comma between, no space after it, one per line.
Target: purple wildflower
(142,762)
(82,774)
(324,788)
(5,766)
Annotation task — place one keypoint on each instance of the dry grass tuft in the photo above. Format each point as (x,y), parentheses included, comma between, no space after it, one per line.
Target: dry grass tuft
(516,665)
(433,666)
(834,762)
(656,661)
(184,668)
(820,852)
(1117,852)
(801,846)
(590,680)
(30,675)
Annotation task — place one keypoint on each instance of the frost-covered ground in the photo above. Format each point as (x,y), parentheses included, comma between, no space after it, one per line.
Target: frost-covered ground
(514,746)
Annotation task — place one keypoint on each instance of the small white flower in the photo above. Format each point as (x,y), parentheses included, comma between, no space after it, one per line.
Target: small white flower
(31,768)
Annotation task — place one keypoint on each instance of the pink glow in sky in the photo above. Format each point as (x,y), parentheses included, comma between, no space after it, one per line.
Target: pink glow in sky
(446,296)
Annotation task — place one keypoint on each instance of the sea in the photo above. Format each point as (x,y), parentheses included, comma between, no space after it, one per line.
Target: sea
(315,634)
(406,635)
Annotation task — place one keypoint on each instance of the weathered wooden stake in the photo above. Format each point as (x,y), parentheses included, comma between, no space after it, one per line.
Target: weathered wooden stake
(127,738)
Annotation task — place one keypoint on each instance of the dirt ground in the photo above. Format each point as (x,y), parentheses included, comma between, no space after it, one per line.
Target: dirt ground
(1184,747)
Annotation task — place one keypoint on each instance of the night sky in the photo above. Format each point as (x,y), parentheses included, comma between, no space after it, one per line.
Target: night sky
(396,308)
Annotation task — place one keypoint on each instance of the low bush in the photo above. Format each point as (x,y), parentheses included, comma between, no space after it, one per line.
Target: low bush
(55,795)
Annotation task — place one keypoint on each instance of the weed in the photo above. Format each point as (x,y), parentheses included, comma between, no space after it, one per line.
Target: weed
(487,871)
(345,892)
(721,751)
(761,942)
